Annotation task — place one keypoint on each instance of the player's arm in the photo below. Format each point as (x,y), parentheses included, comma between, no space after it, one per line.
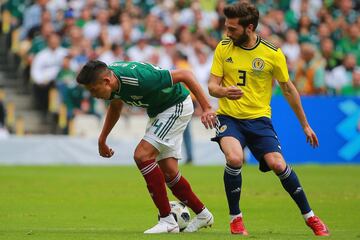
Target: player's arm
(112,116)
(208,117)
(293,98)
(218,91)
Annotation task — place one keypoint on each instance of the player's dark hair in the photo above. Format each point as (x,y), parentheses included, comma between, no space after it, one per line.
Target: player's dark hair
(246,12)
(91,72)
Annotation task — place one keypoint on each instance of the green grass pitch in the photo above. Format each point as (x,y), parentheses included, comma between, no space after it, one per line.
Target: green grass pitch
(75,202)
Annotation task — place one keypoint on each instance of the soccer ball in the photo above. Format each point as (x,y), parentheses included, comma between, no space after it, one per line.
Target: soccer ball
(181,214)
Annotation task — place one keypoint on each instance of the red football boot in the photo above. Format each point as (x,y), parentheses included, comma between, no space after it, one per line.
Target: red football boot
(318,227)
(237,227)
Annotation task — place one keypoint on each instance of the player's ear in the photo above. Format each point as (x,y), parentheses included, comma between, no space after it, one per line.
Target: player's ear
(250,28)
(107,79)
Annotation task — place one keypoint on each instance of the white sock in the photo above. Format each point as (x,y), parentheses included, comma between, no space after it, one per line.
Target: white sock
(308,215)
(232,217)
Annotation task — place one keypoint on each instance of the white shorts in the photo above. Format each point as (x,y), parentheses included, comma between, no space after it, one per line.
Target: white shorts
(165,131)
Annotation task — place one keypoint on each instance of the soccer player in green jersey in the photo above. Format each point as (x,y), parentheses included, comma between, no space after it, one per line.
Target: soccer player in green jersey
(170,108)
(242,73)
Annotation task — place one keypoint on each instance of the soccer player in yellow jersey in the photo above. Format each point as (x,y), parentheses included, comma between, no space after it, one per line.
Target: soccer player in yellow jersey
(243,69)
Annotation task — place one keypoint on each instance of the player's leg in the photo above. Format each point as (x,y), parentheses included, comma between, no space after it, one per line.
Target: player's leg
(178,185)
(159,139)
(182,190)
(145,155)
(171,142)
(288,179)
(231,140)
(267,149)
(291,184)
(233,182)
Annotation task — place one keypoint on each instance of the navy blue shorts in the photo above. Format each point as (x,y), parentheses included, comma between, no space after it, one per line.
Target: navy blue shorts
(256,134)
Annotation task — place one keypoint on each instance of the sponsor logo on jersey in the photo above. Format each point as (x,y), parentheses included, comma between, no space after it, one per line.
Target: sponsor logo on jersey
(229,60)
(136,97)
(258,64)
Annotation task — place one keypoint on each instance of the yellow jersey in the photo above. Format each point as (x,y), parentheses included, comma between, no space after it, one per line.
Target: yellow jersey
(252,70)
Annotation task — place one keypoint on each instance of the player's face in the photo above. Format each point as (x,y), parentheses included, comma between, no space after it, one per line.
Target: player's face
(100,89)
(236,32)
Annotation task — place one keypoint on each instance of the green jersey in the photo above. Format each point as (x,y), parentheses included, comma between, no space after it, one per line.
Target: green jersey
(147,86)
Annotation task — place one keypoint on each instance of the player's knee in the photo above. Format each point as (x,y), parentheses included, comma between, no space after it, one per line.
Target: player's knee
(276,165)
(234,160)
(140,157)
(275,162)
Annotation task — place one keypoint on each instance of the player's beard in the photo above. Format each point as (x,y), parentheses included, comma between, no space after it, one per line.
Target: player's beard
(244,38)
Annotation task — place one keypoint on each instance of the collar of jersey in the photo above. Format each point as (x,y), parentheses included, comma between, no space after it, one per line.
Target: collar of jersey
(256,44)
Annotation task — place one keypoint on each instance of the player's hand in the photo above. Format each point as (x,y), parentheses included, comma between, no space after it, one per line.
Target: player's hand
(311,137)
(104,150)
(233,93)
(209,119)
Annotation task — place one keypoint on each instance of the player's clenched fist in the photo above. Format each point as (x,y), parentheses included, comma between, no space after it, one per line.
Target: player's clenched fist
(104,150)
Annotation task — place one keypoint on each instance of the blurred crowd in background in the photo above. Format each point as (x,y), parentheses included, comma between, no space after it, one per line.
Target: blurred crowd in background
(54,38)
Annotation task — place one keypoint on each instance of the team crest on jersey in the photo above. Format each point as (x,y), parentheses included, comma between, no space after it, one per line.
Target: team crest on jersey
(222,128)
(136,97)
(258,64)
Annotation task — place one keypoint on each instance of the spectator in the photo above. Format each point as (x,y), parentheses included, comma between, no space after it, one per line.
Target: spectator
(309,73)
(32,17)
(345,14)
(185,42)
(116,53)
(46,66)
(167,50)
(201,66)
(85,17)
(309,7)
(65,82)
(277,24)
(332,57)
(306,30)
(93,28)
(128,33)
(40,41)
(342,75)
(114,12)
(69,22)
(102,43)
(354,88)
(350,44)
(141,51)
(291,49)
(324,32)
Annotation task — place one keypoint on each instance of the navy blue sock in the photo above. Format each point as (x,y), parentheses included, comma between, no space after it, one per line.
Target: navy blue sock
(291,183)
(232,182)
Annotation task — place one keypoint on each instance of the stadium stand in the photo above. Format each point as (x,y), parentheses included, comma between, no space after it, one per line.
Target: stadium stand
(44,43)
